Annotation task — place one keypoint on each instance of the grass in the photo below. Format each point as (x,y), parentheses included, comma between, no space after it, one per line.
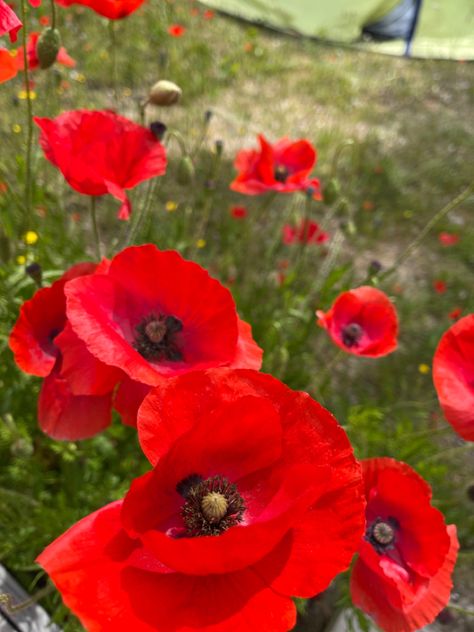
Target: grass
(412,153)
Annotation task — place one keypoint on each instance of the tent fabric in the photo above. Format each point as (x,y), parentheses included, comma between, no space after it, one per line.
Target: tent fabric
(445,28)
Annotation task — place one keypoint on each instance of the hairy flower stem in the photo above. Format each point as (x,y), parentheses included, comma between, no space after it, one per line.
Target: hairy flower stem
(95,228)
(29,121)
(468,613)
(53,14)
(410,249)
(142,214)
(11,608)
(337,155)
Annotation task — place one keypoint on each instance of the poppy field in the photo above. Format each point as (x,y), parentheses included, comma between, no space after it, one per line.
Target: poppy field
(237,326)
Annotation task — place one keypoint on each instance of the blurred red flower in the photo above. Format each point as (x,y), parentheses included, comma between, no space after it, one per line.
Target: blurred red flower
(238,212)
(448,239)
(44,345)
(362,321)
(453,376)
(9,22)
(254,496)
(455,313)
(8,65)
(44,20)
(283,167)
(402,577)
(100,152)
(112,9)
(208,14)
(176,30)
(439,286)
(33,62)
(307,231)
(155,315)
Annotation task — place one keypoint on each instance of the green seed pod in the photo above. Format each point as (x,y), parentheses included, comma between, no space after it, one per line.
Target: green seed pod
(331,191)
(186,171)
(48,46)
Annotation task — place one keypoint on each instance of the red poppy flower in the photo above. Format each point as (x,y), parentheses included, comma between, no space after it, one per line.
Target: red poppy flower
(448,239)
(255,496)
(307,231)
(100,152)
(238,212)
(455,313)
(112,9)
(362,321)
(8,68)
(402,577)
(453,376)
(43,344)
(9,22)
(176,30)
(208,14)
(33,62)
(439,286)
(283,167)
(156,315)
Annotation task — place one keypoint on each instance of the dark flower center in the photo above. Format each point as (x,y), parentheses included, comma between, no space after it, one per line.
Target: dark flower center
(155,338)
(212,505)
(381,534)
(281,173)
(351,334)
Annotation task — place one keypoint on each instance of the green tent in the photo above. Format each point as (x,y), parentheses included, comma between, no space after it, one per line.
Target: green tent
(441,29)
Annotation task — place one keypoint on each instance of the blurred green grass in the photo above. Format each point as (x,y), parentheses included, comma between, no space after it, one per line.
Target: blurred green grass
(411,125)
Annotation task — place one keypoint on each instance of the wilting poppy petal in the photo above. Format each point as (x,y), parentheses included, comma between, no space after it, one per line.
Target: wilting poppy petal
(453,376)
(100,152)
(362,321)
(9,22)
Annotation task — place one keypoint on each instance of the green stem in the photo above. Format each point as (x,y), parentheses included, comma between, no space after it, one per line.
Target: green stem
(95,228)
(459,199)
(53,14)
(326,373)
(11,608)
(469,613)
(337,155)
(29,123)
(142,214)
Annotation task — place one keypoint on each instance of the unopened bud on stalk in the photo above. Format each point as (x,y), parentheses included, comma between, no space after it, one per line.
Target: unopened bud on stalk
(374,267)
(186,171)
(158,129)
(207,116)
(164,93)
(35,271)
(47,48)
(331,191)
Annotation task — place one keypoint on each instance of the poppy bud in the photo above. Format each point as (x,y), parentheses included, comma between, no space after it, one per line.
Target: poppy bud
(331,191)
(34,271)
(207,116)
(164,93)
(158,129)
(48,46)
(374,267)
(186,171)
